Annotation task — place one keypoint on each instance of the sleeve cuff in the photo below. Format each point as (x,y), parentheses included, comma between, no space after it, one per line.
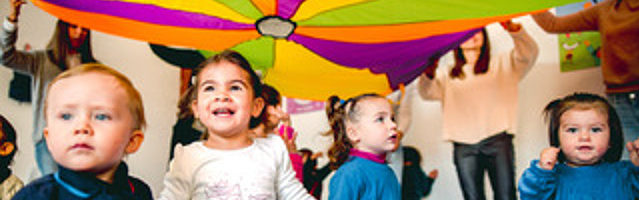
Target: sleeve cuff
(534,167)
(8,26)
(520,33)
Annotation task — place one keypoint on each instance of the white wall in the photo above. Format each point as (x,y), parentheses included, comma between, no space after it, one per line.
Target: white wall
(158,84)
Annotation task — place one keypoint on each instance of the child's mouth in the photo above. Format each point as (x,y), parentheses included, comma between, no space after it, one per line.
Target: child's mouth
(584,148)
(223,112)
(82,146)
(393,137)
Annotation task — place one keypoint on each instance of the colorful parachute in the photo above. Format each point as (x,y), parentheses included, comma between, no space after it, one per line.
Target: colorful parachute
(308,49)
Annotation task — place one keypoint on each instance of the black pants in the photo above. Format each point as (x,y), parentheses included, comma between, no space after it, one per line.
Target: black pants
(495,155)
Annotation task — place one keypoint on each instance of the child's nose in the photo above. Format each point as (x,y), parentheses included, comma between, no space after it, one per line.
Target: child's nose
(83,127)
(584,136)
(221,96)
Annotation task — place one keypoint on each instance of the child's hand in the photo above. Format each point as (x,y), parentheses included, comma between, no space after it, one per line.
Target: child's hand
(633,150)
(433,174)
(548,158)
(290,142)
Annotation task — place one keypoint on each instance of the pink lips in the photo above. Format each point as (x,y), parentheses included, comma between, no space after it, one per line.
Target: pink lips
(584,148)
(82,146)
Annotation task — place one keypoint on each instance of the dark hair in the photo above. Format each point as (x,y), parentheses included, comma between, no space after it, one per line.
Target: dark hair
(239,60)
(9,136)
(481,66)
(271,98)
(555,109)
(60,44)
(339,112)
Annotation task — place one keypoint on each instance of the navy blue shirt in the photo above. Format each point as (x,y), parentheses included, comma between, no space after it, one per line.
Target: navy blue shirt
(71,185)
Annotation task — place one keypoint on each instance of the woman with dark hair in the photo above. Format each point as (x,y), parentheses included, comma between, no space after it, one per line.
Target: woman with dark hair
(70,46)
(479,102)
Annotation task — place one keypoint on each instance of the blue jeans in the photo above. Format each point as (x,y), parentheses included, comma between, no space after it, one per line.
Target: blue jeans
(627,106)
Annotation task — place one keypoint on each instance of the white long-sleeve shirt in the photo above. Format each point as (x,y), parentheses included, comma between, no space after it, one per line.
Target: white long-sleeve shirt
(261,171)
(481,105)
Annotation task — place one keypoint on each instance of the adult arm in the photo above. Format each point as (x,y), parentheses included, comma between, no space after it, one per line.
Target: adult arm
(525,52)
(21,61)
(585,20)
(430,83)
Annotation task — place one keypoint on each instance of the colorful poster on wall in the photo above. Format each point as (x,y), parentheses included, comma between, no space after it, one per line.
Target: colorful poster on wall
(298,106)
(579,50)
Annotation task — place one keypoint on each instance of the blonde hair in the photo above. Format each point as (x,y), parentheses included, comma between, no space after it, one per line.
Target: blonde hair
(135,100)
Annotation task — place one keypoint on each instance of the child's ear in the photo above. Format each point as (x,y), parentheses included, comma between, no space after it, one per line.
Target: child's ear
(258,105)
(45,132)
(135,141)
(352,135)
(194,108)
(6,148)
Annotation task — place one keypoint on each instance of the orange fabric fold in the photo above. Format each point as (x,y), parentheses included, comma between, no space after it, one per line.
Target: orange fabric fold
(215,40)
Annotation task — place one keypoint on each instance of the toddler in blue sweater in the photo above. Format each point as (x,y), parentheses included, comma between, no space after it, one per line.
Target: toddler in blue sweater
(583,160)
(363,130)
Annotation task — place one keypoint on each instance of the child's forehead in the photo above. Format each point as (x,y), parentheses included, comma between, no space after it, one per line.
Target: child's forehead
(375,105)
(224,70)
(87,85)
(583,112)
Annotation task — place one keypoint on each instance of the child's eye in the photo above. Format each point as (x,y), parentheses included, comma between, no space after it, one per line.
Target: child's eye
(102,117)
(236,88)
(65,116)
(379,119)
(572,130)
(393,118)
(596,129)
(208,88)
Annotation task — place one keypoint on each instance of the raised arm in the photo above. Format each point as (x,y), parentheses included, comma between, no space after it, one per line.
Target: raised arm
(9,56)
(429,85)
(585,20)
(526,50)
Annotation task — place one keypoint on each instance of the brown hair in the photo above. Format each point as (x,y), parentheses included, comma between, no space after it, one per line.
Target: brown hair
(481,66)
(584,101)
(239,60)
(135,100)
(272,98)
(340,113)
(60,44)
